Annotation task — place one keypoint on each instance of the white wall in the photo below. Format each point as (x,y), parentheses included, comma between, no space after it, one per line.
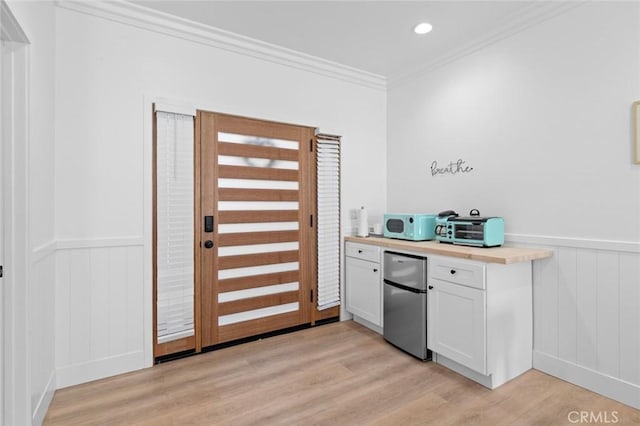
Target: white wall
(37,21)
(106,73)
(544,118)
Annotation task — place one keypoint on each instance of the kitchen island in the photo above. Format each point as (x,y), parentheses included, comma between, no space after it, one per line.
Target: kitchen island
(479,304)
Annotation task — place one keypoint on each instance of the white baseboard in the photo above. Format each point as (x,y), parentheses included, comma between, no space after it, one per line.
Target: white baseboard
(625,392)
(99,369)
(40,410)
(368,324)
(485,381)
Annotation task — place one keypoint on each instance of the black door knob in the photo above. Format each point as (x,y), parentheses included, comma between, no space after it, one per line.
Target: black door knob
(208,244)
(430,287)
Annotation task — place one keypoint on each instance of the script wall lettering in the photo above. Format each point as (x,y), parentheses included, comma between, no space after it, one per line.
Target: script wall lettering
(453,168)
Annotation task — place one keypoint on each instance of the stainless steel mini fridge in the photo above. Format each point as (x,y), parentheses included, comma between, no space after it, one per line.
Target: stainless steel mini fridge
(405,303)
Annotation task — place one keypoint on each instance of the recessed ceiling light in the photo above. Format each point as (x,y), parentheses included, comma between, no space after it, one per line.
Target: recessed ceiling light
(423,28)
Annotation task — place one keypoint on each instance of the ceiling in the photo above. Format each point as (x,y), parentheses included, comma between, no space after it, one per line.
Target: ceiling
(373,36)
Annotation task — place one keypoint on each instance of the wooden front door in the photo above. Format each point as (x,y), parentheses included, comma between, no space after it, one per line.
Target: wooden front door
(254,264)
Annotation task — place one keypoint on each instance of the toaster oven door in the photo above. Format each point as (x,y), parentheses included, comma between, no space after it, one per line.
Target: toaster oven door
(469,231)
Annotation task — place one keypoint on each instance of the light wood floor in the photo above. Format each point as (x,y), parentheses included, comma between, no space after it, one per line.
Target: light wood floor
(336,374)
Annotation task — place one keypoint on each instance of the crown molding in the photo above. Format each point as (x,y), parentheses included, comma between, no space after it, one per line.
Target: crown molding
(135,15)
(145,18)
(10,30)
(535,13)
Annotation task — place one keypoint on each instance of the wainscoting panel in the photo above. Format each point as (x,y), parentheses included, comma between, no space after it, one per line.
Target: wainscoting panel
(586,312)
(41,330)
(587,315)
(630,318)
(99,315)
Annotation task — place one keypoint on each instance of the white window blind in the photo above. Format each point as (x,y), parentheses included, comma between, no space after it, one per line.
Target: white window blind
(328,227)
(175,234)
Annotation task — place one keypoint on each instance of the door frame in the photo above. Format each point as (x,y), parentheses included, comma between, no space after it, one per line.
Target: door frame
(151,103)
(15,406)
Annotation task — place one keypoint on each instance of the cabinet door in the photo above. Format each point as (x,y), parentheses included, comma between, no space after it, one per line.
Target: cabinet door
(364,289)
(457,324)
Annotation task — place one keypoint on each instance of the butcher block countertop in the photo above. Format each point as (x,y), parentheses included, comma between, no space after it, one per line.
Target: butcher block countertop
(503,254)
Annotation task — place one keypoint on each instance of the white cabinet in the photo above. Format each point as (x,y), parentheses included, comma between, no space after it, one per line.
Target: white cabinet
(480,318)
(364,282)
(458,324)
(457,311)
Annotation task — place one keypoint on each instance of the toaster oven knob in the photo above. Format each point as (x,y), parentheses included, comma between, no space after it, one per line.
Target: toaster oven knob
(410,220)
(453,271)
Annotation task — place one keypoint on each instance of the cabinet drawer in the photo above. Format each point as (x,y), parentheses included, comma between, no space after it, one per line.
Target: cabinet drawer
(363,251)
(458,272)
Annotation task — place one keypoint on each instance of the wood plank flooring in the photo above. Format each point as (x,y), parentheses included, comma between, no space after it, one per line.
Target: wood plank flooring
(336,374)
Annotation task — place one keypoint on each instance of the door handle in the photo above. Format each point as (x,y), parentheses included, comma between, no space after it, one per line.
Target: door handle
(208,244)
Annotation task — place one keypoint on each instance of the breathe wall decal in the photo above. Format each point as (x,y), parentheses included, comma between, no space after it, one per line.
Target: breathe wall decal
(453,168)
